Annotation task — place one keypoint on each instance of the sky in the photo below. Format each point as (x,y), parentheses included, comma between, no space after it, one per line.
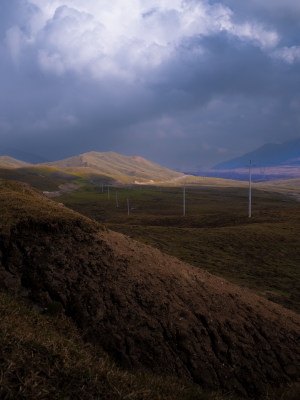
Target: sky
(186,84)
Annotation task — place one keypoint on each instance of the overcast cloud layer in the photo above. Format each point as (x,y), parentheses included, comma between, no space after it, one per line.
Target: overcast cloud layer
(183,83)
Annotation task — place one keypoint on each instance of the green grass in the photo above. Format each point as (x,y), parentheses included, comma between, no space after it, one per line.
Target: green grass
(47,178)
(41,180)
(216,234)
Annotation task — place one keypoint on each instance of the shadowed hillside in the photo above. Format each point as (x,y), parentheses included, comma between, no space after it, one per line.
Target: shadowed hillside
(145,308)
(270,161)
(287,153)
(44,357)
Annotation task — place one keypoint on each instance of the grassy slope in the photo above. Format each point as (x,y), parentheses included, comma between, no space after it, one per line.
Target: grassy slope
(49,178)
(44,357)
(114,167)
(117,166)
(289,187)
(39,178)
(216,234)
(26,207)
(6,161)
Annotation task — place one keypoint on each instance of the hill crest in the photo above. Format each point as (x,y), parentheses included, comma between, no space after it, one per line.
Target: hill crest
(10,162)
(120,167)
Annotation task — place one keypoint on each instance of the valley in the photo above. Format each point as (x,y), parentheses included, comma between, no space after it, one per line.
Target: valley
(216,234)
(144,308)
(63,250)
(149,200)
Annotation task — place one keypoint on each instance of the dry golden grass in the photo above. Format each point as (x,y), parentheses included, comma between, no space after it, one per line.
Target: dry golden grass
(286,187)
(116,166)
(10,162)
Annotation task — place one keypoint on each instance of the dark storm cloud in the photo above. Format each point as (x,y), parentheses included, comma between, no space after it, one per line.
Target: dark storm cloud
(227,84)
(235,97)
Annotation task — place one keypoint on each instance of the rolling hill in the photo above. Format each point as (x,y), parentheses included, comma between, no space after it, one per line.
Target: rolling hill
(116,166)
(90,168)
(9,162)
(41,177)
(145,308)
(25,156)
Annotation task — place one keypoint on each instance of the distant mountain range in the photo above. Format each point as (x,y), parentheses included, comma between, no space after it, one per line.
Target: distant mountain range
(268,162)
(269,155)
(111,166)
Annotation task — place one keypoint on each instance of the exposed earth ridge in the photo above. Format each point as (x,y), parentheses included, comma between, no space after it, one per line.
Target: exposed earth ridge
(145,308)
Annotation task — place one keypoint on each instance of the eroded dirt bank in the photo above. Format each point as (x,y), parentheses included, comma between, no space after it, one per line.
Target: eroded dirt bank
(151,310)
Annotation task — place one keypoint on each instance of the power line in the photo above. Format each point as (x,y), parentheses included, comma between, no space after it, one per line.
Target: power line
(184,201)
(249,215)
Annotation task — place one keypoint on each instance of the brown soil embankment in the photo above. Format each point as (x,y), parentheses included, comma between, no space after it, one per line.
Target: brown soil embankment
(146,308)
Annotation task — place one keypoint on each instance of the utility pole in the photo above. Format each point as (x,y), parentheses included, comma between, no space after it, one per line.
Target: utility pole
(128,206)
(102,188)
(108,192)
(249,189)
(184,201)
(117,204)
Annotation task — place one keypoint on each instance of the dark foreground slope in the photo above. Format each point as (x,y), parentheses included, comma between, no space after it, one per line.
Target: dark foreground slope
(43,357)
(145,308)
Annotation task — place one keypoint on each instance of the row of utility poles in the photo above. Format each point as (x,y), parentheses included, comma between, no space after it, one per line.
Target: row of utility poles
(117,201)
(128,205)
(249,214)
(250,195)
